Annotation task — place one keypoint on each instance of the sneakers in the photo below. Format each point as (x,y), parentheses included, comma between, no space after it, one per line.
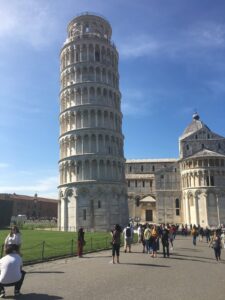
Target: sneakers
(17,293)
(2,294)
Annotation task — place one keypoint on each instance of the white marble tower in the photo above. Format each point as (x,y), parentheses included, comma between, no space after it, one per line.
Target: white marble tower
(92,190)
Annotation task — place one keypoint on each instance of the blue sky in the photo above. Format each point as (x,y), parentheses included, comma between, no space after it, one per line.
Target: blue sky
(171,64)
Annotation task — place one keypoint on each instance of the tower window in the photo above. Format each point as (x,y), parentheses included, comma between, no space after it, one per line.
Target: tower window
(143,183)
(137,202)
(142,168)
(177,205)
(212,180)
(130,169)
(97,56)
(84,214)
(187,147)
(203,146)
(99,204)
(153,168)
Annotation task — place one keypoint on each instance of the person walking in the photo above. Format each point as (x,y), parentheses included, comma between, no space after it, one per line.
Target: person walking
(11,273)
(165,241)
(207,234)
(147,236)
(128,236)
(116,232)
(215,243)
(80,242)
(154,240)
(194,234)
(171,236)
(139,232)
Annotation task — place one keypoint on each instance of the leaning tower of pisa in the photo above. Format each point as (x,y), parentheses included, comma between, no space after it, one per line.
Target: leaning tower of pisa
(92,189)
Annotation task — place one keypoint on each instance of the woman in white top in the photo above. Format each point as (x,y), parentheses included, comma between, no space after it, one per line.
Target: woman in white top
(14,237)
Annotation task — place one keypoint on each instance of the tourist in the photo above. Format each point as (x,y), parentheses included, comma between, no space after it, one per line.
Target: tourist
(80,242)
(128,236)
(139,232)
(147,236)
(11,273)
(171,237)
(165,241)
(116,232)
(215,243)
(201,234)
(207,234)
(194,234)
(222,239)
(142,237)
(14,237)
(154,241)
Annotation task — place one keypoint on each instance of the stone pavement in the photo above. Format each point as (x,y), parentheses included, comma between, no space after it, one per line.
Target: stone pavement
(191,273)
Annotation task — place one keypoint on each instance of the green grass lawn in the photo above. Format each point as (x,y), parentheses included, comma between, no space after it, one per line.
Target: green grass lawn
(42,244)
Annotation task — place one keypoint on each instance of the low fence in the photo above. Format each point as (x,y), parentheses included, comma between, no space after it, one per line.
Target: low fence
(46,250)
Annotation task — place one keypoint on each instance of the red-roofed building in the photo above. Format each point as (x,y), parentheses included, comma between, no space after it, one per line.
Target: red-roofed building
(33,207)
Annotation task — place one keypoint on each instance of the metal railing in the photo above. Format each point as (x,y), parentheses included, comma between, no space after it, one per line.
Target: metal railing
(45,250)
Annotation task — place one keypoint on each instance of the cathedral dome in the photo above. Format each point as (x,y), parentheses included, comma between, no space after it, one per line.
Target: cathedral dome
(194,126)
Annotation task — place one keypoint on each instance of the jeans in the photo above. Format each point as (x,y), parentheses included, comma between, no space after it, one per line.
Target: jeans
(166,249)
(217,252)
(194,240)
(17,284)
(147,245)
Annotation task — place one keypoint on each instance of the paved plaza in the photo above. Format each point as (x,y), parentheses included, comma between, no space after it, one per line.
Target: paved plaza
(191,273)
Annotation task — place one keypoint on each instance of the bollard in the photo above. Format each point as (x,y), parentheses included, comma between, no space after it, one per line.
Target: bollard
(72,242)
(43,250)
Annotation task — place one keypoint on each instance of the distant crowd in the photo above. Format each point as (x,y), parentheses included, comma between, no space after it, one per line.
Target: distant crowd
(150,236)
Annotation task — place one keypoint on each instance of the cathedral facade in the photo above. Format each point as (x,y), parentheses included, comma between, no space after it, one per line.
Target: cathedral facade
(189,189)
(92,189)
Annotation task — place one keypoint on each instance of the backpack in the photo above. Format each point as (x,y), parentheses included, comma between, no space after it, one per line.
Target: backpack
(128,232)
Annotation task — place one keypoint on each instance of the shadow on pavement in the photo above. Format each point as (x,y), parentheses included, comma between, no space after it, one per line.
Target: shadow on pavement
(145,265)
(189,249)
(34,296)
(44,272)
(190,259)
(201,257)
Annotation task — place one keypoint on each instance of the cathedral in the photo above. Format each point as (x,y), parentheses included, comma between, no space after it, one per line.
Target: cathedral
(187,190)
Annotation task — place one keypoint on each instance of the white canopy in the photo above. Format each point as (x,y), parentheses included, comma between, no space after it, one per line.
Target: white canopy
(147,199)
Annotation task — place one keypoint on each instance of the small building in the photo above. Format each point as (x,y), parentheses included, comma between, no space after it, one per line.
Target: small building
(33,207)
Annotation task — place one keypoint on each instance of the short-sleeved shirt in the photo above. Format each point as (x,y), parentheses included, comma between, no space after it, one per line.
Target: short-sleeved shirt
(13,239)
(10,268)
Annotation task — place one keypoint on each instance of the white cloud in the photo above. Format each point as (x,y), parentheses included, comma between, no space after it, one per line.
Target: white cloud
(136,103)
(208,35)
(196,41)
(31,21)
(139,46)
(47,186)
(4,165)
